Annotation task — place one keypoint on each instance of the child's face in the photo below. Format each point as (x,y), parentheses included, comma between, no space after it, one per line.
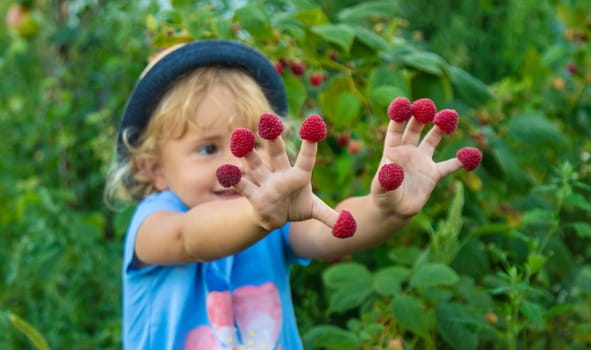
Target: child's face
(188,164)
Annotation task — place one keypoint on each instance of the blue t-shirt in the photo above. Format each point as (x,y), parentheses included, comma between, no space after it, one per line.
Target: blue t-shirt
(238,302)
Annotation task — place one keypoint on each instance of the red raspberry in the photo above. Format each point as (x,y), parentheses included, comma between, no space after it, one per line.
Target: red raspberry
(470,157)
(297,68)
(391,176)
(242,142)
(400,109)
(270,126)
(343,140)
(316,79)
(228,175)
(446,120)
(345,226)
(354,147)
(424,110)
(313,128)
(279,68)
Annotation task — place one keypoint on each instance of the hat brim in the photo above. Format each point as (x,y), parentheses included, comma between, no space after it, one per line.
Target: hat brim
(212,52)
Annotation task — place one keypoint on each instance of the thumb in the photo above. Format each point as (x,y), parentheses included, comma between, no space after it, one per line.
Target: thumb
(324,213)
(342,223)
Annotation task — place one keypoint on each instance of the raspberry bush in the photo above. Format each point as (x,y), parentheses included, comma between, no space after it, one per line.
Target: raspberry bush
(499,258)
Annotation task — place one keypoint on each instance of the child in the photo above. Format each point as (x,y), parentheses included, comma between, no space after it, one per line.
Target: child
(207,267)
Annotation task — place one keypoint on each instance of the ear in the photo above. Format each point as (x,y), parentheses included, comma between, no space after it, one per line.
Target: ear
(153,171)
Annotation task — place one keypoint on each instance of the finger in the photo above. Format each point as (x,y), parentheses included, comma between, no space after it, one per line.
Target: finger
(394,134)
(277,155)
(447,167)
(307,156)
(270,128)
(324,213)
(412,134)
(256,167)
(431,141)
(246,188)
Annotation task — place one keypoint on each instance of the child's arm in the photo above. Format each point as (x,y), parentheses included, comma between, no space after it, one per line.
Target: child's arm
(274,192)
(382,213)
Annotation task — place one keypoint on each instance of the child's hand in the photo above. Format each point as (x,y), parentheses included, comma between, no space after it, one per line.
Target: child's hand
(278,191)
(403,146)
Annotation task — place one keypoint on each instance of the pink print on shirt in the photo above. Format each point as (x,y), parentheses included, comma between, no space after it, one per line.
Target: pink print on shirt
(256,311)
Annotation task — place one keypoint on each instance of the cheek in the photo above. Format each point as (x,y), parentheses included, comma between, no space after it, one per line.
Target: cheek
(204,177)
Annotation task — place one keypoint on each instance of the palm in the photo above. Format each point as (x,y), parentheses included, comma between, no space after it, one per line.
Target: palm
(280,192)
(421,173)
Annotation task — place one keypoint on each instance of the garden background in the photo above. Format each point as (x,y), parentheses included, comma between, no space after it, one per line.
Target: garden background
(498,259)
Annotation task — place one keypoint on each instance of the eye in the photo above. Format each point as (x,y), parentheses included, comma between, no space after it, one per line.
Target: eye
(208,149)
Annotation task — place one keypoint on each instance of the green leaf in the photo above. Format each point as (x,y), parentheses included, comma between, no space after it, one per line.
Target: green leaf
(330,337)
(411,314)
(350,296)
(387,281)
(253,19)
(291,27)
(196,21)
(538,216)
(388,76)
(534,312)
(353,284)
(535,131)
(370,38)
(222,28)
(578,201)
(29,331)
(506,159)
(535,262)
(341,35)
(452,324)
(429,275)
(555,55)
(444,243)
(432,86)
(296,94)
(385,84)
(335,88)
(424,61)
(181,4)
(312,16)
(470,89)
(405,255)
(348,108)
(436,295)
(583,279)
(344,274)
(381,96)
(367,10)
(582,229)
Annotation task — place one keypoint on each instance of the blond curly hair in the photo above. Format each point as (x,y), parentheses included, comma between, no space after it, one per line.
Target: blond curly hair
(126,182)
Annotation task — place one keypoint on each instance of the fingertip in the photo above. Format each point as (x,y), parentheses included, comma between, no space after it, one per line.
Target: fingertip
(469,157)
(446,120)
(270,126)
(228,175)
(242,142)
(390,176)
(346,226)
(313,129)
(449,166)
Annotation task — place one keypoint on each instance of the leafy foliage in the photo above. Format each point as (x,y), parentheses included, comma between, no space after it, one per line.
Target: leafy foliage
(499,258)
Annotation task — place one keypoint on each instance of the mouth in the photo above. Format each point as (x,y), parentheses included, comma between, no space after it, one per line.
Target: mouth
(227,194)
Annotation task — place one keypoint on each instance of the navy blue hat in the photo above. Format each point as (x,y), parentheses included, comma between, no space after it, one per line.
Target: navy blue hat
(212,52)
